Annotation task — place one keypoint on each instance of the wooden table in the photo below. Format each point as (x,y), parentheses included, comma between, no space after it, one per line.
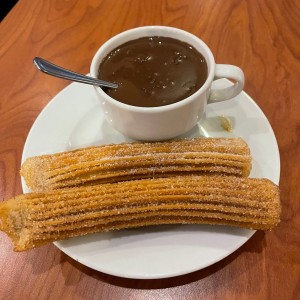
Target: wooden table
(262,37)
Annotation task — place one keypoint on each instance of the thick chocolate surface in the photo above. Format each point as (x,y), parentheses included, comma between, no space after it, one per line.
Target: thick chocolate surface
(153,71)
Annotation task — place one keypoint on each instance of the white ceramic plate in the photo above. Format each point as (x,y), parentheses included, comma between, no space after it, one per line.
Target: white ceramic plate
(74,119)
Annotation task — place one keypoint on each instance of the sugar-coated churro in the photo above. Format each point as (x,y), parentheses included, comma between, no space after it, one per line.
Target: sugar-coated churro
(112,163)
(35,219)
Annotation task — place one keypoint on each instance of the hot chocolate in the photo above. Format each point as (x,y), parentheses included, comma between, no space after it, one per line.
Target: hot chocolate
(153,71)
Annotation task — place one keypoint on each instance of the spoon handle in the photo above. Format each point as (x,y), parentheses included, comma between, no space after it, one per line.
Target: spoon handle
(57,71)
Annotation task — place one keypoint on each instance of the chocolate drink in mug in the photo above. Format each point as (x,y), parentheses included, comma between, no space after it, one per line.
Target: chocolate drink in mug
(153,71)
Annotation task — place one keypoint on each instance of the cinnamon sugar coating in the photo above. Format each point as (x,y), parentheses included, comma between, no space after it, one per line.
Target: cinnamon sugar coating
(128,161)
(35,219)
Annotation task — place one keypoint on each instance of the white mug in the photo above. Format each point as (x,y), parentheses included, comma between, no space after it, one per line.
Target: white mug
(169,121)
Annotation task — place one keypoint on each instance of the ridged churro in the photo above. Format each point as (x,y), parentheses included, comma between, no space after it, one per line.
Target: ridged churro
(128,161)
(35,219)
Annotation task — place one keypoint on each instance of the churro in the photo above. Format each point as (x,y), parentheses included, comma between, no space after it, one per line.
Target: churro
(128,161)
(35,219)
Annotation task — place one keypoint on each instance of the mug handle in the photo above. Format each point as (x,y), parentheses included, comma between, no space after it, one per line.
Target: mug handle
(231,72)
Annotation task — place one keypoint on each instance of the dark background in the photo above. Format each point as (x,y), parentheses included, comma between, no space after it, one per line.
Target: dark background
(5,7)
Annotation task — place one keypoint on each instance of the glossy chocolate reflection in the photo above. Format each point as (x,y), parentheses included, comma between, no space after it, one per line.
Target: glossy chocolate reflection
(153,71)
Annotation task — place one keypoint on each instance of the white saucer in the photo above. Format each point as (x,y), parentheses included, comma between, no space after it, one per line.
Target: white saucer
(74,119)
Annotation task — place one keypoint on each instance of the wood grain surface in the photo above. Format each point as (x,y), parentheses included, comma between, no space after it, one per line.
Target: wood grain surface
(262,37)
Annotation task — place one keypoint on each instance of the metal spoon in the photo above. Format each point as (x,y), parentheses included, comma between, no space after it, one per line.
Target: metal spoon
(56,71)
